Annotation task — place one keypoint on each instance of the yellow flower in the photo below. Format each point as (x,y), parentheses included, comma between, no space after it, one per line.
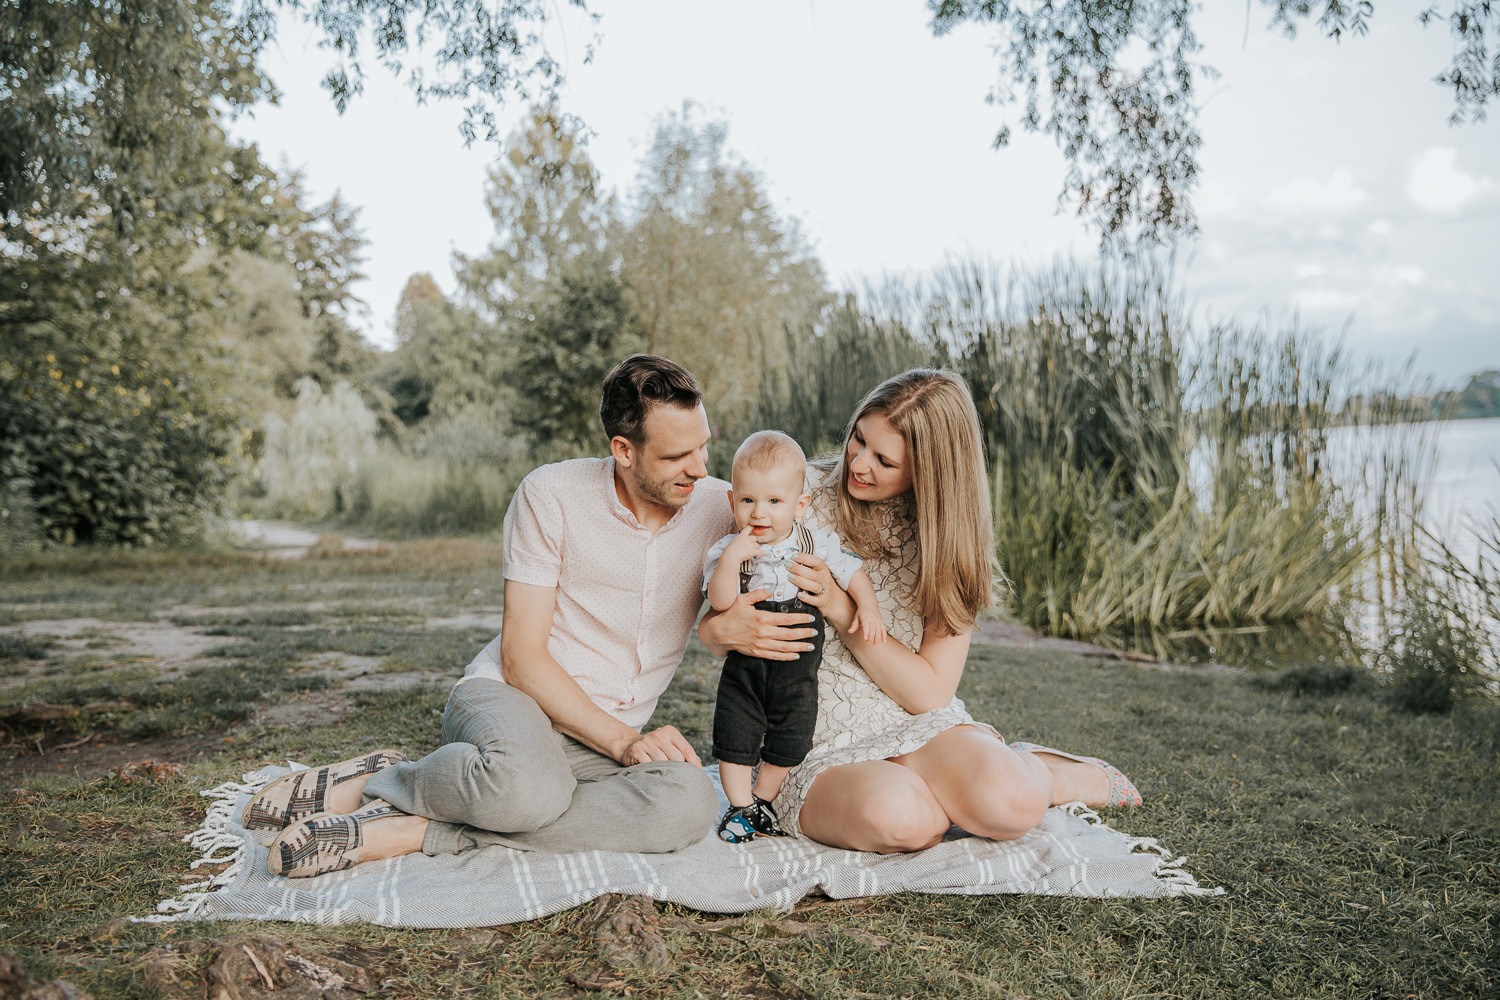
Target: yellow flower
(115,369)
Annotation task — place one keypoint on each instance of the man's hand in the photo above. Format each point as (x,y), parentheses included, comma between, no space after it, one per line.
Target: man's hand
(665,743)
(765,634)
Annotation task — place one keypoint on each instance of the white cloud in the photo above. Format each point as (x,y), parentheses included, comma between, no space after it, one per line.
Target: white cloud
(1338,194)
(1214,201)
(1320,298)
(1409,274)
(1309,270)
(1438,186)
(1380,228)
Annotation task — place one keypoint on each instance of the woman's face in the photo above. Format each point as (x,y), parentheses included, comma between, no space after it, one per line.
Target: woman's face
(877,460)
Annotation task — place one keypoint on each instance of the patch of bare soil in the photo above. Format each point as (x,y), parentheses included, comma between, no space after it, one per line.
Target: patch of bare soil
(172,646)
(58,756)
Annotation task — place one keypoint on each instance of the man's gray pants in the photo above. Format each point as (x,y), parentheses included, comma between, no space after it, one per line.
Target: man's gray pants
(505,776)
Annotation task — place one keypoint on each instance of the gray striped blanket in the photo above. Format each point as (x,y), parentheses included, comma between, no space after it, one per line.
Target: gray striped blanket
(1072,852)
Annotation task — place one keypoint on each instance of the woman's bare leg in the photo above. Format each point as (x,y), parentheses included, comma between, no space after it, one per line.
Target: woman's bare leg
(873,805)
(983,785)
(1074,780)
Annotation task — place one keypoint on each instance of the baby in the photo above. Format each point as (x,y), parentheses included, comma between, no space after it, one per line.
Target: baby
(767,708)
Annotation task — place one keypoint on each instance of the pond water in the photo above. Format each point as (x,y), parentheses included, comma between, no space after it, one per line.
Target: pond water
(1464,487)
(1458,464)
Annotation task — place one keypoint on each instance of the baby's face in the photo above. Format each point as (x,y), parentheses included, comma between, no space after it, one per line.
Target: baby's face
(768,500)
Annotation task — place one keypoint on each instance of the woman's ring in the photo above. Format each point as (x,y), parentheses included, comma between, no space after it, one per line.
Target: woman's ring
(822,589)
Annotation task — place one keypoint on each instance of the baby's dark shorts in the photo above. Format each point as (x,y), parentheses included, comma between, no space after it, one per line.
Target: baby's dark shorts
(767,709)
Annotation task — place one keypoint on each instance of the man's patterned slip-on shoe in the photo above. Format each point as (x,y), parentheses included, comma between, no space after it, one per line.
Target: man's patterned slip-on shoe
(296,796)
(1121,791)
(324,843)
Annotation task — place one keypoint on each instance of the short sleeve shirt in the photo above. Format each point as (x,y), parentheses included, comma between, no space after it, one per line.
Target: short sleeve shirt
(627,597)
(771,570)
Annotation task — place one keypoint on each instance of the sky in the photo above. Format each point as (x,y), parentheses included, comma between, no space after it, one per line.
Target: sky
(1334,194)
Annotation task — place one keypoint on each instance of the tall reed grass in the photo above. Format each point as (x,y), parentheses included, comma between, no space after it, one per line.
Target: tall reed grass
(1149,479)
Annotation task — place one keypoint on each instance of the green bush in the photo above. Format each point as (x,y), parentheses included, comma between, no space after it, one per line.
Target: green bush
(113,414)
(1437,646)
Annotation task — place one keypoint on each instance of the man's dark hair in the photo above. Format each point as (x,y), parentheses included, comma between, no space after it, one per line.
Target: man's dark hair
(637,384)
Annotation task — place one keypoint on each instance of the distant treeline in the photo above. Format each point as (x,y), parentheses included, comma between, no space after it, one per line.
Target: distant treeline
(1480,398)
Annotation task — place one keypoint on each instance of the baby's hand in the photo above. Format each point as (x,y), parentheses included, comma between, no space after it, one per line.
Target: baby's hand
(870,625)
(743,547)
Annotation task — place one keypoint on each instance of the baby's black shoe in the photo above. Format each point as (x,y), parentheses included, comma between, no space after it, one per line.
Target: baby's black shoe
(736,826)
(763,818)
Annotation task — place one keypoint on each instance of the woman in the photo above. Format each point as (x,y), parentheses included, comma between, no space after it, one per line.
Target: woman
(896,760)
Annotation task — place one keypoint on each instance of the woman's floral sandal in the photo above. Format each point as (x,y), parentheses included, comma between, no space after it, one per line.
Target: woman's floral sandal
(1121,791)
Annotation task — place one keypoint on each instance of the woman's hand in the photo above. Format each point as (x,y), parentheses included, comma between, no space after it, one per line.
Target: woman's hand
(745,628)
(819,589)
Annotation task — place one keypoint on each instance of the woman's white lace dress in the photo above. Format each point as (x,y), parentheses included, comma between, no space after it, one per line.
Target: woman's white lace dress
(856,720)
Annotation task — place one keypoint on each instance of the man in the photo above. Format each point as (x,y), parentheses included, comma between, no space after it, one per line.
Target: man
(542,748)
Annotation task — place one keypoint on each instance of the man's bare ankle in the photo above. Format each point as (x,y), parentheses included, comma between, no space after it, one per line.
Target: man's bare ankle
(346,797)
(393,836)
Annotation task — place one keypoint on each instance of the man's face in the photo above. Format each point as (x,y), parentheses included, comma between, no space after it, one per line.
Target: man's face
(768,501)
(667,465)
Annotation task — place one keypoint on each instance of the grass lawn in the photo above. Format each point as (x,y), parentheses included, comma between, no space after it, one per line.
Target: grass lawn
(1359,846)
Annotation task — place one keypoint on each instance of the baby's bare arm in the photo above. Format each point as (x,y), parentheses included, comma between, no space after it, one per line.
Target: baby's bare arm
(868,619)
(724,584)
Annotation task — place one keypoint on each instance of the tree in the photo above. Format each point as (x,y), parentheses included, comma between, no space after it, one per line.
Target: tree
(446,362)
(103,99)
(582,330)
(542,195)
(125,214)
(85,113)
(1129,126)
(116,418)
(714,274)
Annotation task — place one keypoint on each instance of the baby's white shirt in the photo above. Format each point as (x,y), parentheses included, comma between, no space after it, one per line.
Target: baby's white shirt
(771,570)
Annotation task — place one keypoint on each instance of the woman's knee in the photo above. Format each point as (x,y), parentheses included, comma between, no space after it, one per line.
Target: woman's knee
(903,818)
(1005,810)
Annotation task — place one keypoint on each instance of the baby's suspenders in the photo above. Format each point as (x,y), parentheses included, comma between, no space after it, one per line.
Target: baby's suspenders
(804,548)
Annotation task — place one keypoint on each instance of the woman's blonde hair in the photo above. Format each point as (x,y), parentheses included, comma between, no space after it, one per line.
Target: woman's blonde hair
(934,414)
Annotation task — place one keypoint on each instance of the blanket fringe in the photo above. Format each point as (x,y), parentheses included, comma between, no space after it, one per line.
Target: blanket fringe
(210,838)
(1169,869)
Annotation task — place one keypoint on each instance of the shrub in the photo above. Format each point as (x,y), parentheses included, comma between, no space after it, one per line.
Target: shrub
(1442,643)
(413,496)
(115,428)
(311,460)
(1319,679)
(1434,651)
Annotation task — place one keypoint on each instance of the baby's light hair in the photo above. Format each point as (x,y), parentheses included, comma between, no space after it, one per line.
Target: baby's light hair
(767,451)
